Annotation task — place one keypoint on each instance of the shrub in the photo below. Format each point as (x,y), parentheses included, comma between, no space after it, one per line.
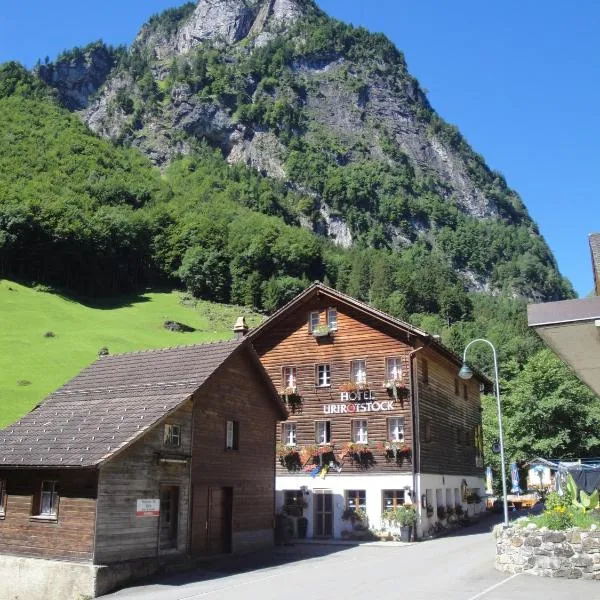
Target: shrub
(558,518)
(103,351)
(49,334)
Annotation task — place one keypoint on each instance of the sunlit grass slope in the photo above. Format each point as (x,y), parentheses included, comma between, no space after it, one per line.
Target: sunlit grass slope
(33,365)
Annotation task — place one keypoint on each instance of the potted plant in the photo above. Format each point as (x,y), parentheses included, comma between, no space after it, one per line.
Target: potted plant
(357,517)
(321,331)
(397,388)
(289,457)
(291,398)
(441,512)
(407,517)
(429,510)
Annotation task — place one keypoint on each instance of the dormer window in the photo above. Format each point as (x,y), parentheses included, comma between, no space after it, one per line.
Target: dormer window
(313,320)
(332,320)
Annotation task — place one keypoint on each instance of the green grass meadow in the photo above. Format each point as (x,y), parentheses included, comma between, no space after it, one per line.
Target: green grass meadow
(32,365)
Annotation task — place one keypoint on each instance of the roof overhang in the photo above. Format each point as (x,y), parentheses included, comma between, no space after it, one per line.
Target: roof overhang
(572,329)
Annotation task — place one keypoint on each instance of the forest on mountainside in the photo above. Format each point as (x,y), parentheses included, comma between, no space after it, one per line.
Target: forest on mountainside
(93,216)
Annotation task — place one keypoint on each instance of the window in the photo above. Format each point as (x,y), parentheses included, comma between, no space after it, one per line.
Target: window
(359,431)
(288,375)
(232,435)
(426,431)
(465,391)
(172,435)
(313,320)
(356,499)
(459,436)
(456,387)
(323,376)
(393,369)
(425,371)
(289,434)
(392,499)
(2,497)
(395,429)
(293,503)
(49,499)
(332,319)
(323,432)
(358,372)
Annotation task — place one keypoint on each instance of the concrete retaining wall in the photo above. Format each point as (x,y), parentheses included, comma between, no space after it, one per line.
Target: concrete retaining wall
(573,553)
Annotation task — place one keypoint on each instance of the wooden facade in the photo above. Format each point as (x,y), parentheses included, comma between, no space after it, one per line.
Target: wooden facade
(440,450)
(183,485)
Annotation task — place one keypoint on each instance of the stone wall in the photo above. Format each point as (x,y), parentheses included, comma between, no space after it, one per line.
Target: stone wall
(573,553)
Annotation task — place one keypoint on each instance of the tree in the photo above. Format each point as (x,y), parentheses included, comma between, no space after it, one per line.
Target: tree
(549,412)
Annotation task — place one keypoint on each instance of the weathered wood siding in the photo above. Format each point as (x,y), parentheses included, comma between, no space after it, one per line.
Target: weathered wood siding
(236,392)
(135,474)
(452,418)
(71,536)
(290,344)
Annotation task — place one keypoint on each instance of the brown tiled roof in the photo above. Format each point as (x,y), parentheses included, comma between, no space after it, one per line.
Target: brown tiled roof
(595,248)
(109,405)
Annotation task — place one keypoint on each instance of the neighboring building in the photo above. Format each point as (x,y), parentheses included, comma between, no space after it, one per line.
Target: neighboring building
(571,328)
(140,459)
(379,416)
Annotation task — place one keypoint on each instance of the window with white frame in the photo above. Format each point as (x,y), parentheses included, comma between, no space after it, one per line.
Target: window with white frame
(323,375)
(313,320)
(49,499)
(288,374)
(289,434)
(332,320)
(323,432)
(360,431)
(172,435)
(393,369)
(396,429)
(2,497)
(358,371)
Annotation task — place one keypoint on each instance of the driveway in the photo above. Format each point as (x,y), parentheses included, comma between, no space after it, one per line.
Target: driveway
(458,567)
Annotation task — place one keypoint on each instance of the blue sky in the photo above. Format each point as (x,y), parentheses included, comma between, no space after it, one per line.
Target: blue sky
(521,80)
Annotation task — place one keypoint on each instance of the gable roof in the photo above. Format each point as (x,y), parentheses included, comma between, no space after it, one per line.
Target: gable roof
(112,403)
(400,326)
(595,249)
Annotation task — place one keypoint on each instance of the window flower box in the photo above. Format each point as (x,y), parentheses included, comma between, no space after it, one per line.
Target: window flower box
(322,331)
(289,457)
(291,398)
(397,389)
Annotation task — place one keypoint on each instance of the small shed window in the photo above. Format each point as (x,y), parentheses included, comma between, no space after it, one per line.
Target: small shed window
(172,435)
(465,391)
(426,431)
(49,499)
(456,387)
(232,435)
(2,497)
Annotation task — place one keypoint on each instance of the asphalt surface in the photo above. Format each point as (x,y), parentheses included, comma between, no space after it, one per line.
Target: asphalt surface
(455,567)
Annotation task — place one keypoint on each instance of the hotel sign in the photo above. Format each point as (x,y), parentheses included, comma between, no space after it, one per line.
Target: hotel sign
(358,407)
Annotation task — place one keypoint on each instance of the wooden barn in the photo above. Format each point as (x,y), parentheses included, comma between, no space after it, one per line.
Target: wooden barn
(142,458)
(378,416)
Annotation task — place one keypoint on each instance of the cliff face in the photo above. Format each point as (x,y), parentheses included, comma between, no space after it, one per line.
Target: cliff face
(328,109)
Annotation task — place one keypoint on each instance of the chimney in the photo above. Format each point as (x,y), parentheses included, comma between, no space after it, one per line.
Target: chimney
(240,329)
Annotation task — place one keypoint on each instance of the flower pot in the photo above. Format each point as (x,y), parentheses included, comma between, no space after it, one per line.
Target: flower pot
(405,533)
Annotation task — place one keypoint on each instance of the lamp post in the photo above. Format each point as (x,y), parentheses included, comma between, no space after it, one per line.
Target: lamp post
(466,373)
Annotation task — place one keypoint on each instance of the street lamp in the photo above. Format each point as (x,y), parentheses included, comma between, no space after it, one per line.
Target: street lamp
(466,373)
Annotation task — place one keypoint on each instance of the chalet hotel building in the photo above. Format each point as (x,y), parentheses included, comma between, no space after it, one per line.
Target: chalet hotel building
(378,416)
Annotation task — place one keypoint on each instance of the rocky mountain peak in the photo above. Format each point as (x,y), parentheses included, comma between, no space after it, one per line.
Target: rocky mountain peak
(225,21)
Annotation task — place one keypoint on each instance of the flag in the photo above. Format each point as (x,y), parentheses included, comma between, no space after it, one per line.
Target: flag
(514,475)
(488,481)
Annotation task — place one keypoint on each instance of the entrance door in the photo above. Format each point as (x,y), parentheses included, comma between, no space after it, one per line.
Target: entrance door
(323,513)
(169,516)
(212,514)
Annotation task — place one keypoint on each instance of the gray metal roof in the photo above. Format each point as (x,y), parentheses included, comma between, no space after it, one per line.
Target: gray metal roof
(108,405)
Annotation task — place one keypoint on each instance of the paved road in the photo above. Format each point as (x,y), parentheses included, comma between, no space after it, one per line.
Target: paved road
(450,568)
